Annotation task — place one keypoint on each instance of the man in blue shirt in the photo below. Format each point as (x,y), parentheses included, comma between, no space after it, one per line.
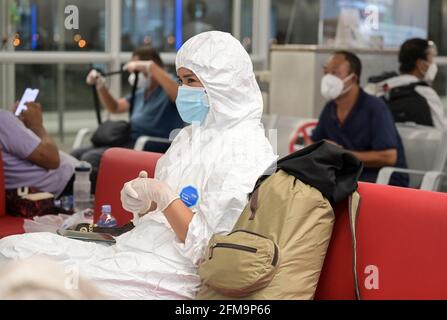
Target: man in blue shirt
(357,121)
(154,114)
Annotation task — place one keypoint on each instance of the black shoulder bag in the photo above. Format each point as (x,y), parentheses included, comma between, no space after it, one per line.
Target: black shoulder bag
(112,133)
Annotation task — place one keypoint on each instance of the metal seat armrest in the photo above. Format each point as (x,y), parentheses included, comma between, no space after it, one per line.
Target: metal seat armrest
(431,181)
(80,136)
(385,174)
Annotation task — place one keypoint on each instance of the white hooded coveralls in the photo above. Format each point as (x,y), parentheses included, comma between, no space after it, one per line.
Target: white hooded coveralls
(222,159)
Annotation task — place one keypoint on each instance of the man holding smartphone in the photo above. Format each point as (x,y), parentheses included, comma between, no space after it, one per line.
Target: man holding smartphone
(30,156)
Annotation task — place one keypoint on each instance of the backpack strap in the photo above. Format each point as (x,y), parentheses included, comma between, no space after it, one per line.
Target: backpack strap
(421,83)
(254,203)
(405,90)
(132,97)
(354,205)
(96,104)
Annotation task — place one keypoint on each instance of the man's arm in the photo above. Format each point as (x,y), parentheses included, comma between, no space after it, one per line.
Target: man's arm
(46,155)
(165,80)
(374,159)
(149,68)
(377,159)
(385,139)
(110,103)
(94,78)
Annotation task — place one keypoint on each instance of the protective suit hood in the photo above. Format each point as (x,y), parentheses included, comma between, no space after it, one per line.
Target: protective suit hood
(222,158)
(225,69)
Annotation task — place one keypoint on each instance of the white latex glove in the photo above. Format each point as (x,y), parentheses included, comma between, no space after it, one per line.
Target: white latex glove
(94,78)
(137,195)
(139,66)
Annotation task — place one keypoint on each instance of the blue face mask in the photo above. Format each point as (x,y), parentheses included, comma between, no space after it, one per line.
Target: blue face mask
(192,104)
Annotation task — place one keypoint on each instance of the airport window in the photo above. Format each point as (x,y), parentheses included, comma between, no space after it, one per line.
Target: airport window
(373,24)
(166,25)
(67,101)
(295,22)
(60,85)
(438,25)
(53,25)
(246,31)
(148,23)
(440,85)
(200,16)
(343,23)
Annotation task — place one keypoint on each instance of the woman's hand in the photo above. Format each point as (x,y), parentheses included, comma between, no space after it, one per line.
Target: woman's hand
(142,194)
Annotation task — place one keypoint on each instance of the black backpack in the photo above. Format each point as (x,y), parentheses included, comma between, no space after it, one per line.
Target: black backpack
(407,105)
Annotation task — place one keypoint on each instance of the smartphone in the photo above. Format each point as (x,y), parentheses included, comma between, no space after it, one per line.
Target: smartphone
(87,236)
(30,95)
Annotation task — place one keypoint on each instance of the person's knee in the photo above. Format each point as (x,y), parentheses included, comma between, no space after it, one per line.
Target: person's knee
(93,157)
(78,153)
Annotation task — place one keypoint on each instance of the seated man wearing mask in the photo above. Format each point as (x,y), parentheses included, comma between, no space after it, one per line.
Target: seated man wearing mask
(357,121)
(417,66)
(154,114)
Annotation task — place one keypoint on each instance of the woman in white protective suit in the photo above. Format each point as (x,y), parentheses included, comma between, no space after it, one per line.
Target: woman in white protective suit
(200,186)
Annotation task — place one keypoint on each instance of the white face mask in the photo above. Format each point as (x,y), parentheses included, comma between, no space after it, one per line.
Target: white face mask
(332,86)
(143,81)
(431,73)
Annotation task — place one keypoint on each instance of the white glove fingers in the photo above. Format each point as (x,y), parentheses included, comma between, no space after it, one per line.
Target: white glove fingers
(130,191)
(143,174)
